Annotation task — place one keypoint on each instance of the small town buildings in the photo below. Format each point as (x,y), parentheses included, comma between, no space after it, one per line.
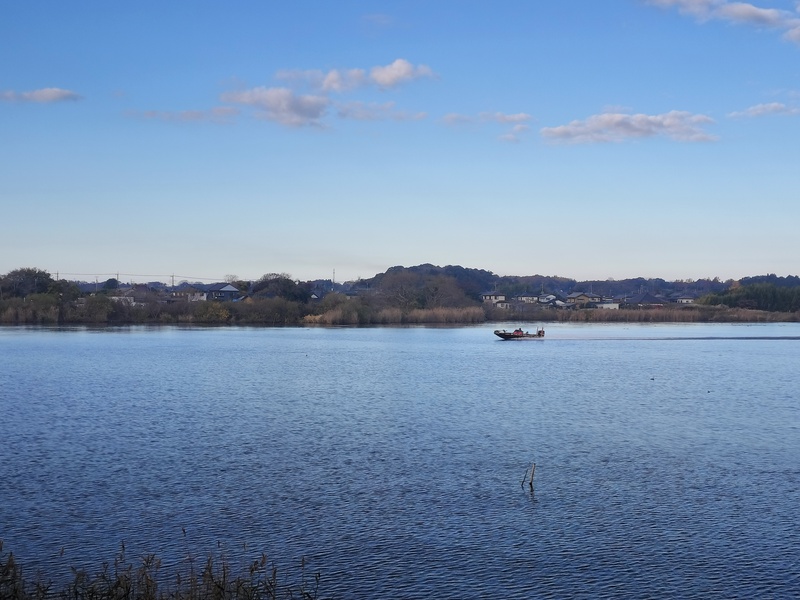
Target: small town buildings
(527,298)
(197,292)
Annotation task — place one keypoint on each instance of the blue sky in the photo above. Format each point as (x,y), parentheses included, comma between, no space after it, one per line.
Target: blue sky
(578,138)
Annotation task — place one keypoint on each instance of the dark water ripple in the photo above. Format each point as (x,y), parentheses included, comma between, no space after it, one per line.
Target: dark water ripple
(667,458)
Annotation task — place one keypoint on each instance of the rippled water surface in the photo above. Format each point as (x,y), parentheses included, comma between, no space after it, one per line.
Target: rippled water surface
(667,457)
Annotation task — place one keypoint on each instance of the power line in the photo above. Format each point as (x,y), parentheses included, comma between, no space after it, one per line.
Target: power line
(118,275)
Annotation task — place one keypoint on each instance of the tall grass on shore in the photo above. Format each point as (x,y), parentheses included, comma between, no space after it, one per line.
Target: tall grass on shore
(472,314)
(351,315)
(122,581)
(689,314)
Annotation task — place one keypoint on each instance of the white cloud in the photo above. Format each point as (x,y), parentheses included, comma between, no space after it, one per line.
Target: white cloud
(771,108)
(398,72)
(362,111)
(617,127)
(282,105)
(738,12)
(793,35)
(340,81)
(741,12)
(42,96)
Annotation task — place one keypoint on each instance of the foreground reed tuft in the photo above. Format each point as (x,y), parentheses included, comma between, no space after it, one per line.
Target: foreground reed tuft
(123,581)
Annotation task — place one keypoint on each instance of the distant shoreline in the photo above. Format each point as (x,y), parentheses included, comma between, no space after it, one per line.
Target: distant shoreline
(456,317)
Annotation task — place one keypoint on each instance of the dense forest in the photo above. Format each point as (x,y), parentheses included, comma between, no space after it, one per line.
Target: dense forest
(402,295)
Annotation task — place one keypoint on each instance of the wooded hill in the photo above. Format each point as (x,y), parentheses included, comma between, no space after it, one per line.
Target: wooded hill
(474,282)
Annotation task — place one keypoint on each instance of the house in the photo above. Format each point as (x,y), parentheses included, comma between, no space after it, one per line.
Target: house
(222,292)
(581,298)
(493,297)
(139,294)
(122,299)
(682,298)
(188,293)
(607,305)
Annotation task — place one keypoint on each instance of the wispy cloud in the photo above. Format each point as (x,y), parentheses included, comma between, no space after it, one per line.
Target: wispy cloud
(378,20)
(760,110)
(42,96)
(335,80)
(494,117)
(287,106)
(617,127)
(372,111)
(344,80)
(514,136)
(517,120)
(455,119)
(282,105)
(738,12)
(218,114)
(499,117)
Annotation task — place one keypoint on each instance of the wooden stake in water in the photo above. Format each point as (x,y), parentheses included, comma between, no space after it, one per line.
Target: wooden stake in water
(533,470)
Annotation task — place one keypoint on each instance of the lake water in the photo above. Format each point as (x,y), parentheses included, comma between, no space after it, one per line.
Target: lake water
(391,459)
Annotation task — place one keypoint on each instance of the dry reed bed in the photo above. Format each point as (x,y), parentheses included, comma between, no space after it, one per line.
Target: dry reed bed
(122,581)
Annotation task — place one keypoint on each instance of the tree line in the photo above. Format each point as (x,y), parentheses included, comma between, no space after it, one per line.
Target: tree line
(770,297)
(421,294)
